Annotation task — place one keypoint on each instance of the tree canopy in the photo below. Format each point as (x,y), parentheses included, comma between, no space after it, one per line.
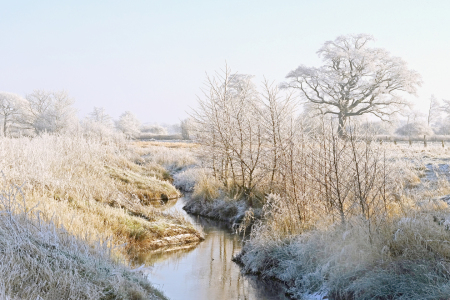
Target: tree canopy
(354,80)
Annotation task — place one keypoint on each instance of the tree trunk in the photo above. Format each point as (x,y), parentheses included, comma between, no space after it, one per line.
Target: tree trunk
(342,132)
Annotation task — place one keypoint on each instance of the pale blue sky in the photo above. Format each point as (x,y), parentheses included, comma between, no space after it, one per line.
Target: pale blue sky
(150,57)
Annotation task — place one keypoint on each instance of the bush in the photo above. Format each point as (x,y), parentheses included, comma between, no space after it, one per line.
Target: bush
(187,179)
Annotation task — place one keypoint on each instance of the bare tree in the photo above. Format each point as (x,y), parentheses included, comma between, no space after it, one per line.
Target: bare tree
(185,126)
(355,80)
(11,110)
(129,124)
(99,115)
(228,125)
(50,111)
(434,111)
(275,114)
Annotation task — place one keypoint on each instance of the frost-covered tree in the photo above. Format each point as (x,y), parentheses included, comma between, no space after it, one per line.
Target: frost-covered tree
(100,116)
(98,124)
(276,113)
(50,111)
(11,110)
(129,125)
(153,129)
(355,80)
(434,111)
(444,127)
(227,123)
(246,133)
(185,127)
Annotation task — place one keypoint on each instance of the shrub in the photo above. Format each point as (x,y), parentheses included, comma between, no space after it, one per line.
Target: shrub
(186,180)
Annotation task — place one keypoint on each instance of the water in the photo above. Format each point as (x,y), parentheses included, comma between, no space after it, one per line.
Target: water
(205,271)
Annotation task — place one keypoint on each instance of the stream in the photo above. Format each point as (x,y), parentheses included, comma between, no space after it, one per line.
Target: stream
(205,271)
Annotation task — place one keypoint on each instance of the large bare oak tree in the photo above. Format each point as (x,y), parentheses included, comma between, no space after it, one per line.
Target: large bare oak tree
(355,80)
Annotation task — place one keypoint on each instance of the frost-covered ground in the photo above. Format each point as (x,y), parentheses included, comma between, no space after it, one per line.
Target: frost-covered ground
(85,208)
(41,260)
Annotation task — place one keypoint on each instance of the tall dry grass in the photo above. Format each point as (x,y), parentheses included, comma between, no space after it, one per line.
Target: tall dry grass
(405,258)
(96,189)
(174,158)
(41,259)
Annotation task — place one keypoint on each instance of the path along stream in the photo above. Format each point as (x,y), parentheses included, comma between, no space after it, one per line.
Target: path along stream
(205,271)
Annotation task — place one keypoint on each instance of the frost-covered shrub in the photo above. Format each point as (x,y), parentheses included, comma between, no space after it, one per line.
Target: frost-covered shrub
(154,129)
(186,180)
(99,131)
(377,128)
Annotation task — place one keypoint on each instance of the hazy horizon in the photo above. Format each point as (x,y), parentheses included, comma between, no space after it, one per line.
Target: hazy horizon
(151,57)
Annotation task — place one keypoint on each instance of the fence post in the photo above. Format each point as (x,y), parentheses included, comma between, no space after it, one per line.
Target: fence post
(424,140)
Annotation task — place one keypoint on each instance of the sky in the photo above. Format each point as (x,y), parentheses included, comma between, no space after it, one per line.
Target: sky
(151,57)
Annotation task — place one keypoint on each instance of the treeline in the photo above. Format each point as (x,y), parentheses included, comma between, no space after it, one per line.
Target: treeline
(54,112)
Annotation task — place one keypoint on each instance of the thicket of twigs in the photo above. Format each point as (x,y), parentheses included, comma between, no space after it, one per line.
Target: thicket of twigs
(345,215)
(255,144)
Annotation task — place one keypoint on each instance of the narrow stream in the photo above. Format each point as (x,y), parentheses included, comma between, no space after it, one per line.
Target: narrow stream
(205,271)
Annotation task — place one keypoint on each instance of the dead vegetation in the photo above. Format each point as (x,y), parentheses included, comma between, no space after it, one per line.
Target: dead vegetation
(343,215)
(42,259)
(95,189)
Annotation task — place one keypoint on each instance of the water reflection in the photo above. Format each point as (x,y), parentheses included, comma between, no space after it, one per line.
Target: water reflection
(205,271)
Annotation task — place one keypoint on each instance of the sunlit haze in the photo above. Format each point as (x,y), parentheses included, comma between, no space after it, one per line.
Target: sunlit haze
(151,57)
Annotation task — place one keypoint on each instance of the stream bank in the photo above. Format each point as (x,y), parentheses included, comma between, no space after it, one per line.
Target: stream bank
(205,270)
